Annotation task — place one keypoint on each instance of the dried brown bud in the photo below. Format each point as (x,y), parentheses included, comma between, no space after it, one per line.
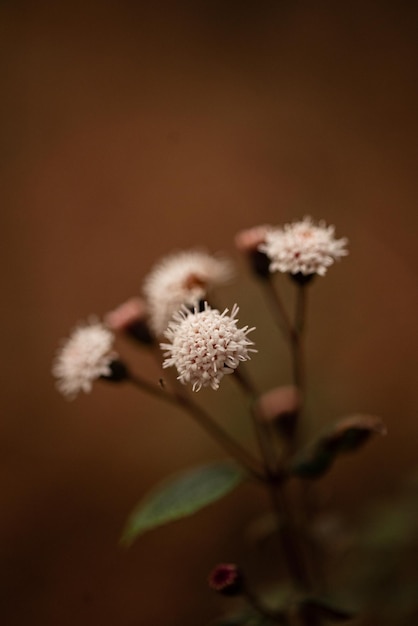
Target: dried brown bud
(346,435)
(352,431)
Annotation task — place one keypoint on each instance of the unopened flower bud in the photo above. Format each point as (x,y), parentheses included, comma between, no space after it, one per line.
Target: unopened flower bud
(227,579)
(131,318)
(279,406)
(248,241)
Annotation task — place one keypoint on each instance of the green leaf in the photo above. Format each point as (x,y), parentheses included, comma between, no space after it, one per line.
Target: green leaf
(347,434)
(181,495)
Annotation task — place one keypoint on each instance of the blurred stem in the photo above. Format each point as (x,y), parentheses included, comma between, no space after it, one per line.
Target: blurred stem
(308,504)
(232,447)
(243,457)
(297,342)
(277,308)
(293,333)
(289,537)
(293,543)
(154,390)
(262,433)
(276,617)
(245,382)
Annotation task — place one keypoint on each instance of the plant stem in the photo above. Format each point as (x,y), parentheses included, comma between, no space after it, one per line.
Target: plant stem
(154,390)
(299,378)
(276,617)
(179,398)
(245,382)
(277,308)
(299,375)
(221,436)
(262,432)
(291,540)
(290,545)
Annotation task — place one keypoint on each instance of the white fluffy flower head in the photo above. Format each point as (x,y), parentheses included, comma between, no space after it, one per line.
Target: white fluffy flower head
(85,356)
(303,247)
(182,278)
(206,345)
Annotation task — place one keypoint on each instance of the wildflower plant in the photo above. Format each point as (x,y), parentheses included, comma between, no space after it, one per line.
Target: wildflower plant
(176,319)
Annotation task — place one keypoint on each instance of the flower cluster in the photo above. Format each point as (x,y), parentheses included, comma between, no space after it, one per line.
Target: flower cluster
(206,345)
(203,345)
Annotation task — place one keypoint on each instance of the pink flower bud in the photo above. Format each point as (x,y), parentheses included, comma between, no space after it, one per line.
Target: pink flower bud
(227,579)
(130,312)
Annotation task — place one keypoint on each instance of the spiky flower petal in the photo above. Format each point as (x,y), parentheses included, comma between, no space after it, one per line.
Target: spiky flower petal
(303,248)
(206,345)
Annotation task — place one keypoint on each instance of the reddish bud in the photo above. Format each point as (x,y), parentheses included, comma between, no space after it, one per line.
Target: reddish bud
(227,579)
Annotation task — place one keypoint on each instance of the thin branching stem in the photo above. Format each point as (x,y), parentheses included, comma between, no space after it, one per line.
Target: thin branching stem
(230,445)
(262,434)
(278,310)
(291,539)
(297,341)
(154,390)
(299,379)
(221,436)
(290,544)
(246,383)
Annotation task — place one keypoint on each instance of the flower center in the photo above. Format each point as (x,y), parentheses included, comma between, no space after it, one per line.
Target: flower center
(193,280)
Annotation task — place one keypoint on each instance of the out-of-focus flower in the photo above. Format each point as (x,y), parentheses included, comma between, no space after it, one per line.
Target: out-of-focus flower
(85,356)
(206,345)
(182,278)
(303,248)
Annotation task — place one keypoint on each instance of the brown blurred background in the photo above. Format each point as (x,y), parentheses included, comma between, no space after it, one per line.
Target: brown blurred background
(130,129)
